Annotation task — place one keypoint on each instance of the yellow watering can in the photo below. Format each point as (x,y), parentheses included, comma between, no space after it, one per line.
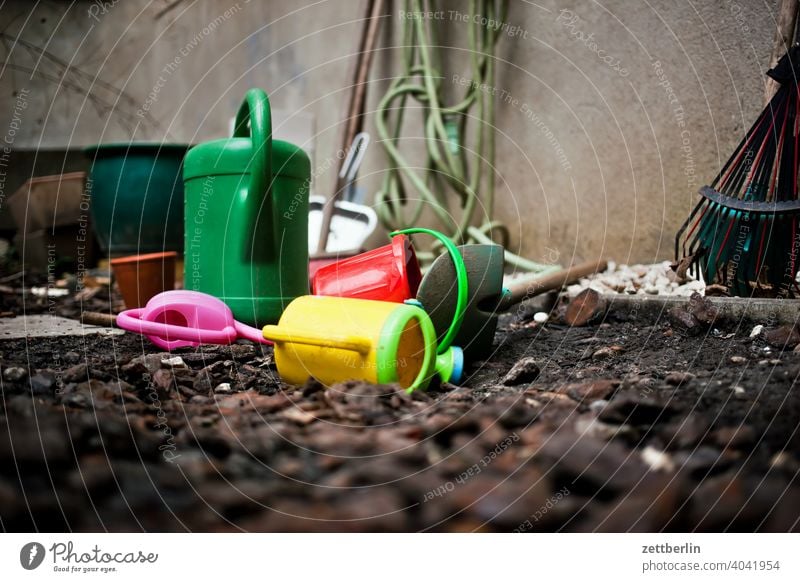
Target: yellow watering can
(335,339)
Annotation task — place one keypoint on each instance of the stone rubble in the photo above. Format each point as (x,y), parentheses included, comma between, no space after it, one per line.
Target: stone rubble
(655,279)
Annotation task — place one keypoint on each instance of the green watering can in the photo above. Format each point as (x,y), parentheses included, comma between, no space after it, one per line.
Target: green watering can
(246,217)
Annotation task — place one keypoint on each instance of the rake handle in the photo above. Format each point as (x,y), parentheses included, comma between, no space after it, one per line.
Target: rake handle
(784,37)
(552,282)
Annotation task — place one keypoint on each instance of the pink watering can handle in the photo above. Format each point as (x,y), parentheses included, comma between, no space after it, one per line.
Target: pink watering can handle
(132,321)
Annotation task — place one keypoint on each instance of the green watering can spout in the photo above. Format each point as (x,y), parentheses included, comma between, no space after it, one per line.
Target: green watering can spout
(255,109)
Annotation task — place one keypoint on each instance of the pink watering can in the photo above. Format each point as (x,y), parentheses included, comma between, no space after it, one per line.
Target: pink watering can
(177,319)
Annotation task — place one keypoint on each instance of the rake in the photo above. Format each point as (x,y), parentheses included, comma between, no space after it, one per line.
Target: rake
(745,232)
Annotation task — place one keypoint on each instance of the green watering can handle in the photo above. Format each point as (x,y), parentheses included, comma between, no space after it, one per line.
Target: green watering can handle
(256,110)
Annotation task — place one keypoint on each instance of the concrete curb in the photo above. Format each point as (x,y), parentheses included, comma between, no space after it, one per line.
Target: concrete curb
(45,325)
(654,308)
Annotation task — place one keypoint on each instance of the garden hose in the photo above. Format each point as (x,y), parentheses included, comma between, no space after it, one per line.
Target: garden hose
(450,165)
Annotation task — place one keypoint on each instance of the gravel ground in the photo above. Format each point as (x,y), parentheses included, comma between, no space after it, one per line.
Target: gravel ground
(619,426)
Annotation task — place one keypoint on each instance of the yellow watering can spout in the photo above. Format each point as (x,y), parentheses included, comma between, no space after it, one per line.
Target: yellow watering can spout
(335,339)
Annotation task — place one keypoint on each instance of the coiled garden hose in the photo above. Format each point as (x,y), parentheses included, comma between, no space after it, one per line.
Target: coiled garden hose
(450,165)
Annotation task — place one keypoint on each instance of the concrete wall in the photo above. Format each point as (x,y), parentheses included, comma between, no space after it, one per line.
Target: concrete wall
(592,158)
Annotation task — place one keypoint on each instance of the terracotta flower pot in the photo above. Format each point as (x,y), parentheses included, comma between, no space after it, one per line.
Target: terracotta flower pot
(141,277)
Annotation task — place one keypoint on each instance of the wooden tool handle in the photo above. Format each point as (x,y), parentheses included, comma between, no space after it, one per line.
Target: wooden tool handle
(784,37)
(96,318)
(552,282)
(355,113)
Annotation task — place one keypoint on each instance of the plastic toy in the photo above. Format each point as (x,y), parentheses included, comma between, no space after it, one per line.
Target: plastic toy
(177,319)
(388,273)
(338,338)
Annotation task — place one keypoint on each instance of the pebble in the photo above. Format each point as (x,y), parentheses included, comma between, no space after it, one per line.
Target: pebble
(523,372)
(301,417)
(540,317)
(174,362)
(738,359)
(223,388)
(601,430)
(685,432)
(589,391)
(14,374)
(684,320)
(164,380)
(679,378)
(657,460)
(147,363)
(42,383)
(734,436)
(784,337)
(701,459)
(784,460)
(739,391)
(584,308)
(585,463)
(756,331)
(699,314)
(77,373)
(607,352)
(702,309)
(634,409)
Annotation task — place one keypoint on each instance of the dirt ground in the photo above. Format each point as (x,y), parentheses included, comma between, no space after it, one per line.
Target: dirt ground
(618,426)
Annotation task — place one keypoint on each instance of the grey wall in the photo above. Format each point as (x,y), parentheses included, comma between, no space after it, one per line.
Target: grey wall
(636,140)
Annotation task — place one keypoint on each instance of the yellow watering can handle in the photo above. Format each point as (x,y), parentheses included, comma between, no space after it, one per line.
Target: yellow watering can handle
(255,109)
(354,344)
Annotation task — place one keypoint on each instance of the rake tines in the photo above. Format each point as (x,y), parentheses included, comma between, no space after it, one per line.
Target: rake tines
(744,232)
